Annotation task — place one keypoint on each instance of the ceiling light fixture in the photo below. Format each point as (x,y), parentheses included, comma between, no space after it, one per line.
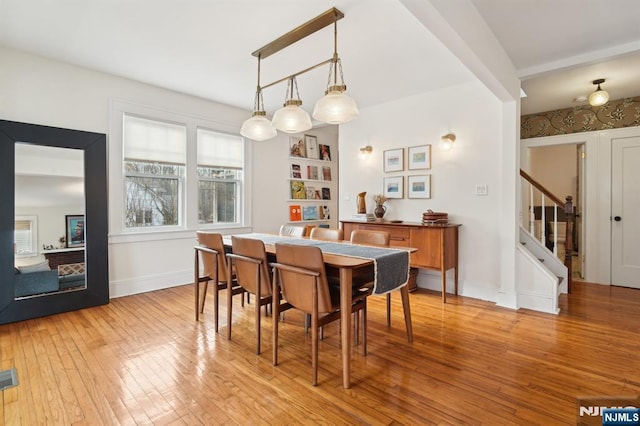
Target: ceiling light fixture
(599,97)
(291,118)
(258,127)
(334,108)
(446,141)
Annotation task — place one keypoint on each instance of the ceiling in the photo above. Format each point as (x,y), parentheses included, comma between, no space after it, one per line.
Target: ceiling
(204,48)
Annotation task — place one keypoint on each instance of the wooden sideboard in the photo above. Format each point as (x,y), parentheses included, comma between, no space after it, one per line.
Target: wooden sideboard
(437,245)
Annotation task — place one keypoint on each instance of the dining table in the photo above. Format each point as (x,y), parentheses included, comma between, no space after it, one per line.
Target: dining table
(391,266)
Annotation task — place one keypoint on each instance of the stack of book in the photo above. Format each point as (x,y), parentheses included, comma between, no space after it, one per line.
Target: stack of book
(363,217)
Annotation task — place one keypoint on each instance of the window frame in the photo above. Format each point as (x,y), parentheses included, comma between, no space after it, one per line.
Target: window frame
(240,181)
(118,233)
(33,220)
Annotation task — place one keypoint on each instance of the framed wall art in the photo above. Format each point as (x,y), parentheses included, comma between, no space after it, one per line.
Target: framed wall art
(419,157)
(297,147)
(312,146)
(419,186)
(394,160)
(393,187)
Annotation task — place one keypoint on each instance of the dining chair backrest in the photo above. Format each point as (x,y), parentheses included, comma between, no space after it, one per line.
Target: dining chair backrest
(298,288)
(214,242)
(246,271)
(370,237)
(326,234)
(292,231)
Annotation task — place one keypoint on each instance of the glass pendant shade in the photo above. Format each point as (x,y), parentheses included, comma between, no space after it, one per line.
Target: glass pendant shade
(291,118)
(258,127)
(599,97)
(335,107)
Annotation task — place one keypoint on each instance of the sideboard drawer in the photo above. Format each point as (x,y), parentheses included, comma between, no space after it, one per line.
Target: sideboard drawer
(399,235)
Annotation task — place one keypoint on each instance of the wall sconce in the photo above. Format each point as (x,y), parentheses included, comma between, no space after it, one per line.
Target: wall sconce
(446,142)
(365,151)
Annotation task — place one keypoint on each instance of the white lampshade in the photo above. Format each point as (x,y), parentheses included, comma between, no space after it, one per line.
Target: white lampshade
(291,118)
(599,97)
(446,142)
(335,107)
(258,127)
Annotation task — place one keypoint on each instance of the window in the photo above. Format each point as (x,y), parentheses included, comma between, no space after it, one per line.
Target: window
(220,176)
(154,168)
(25,236)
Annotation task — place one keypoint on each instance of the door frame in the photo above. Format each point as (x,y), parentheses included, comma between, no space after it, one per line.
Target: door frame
(588,198)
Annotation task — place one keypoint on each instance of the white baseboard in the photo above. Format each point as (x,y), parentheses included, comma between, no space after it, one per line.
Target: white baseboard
(432,280)
(147,283)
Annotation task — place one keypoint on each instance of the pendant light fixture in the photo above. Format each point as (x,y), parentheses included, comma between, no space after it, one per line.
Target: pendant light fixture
(291,118)
(335,106)
(258,127)
(599,97)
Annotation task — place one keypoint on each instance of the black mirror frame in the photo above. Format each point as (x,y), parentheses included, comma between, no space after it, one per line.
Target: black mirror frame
(94,146)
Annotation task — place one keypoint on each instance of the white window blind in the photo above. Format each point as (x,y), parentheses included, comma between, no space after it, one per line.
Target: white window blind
(25,235)
(220,150)
(155,141)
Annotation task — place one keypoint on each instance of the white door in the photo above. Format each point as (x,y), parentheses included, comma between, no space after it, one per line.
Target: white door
(625,212)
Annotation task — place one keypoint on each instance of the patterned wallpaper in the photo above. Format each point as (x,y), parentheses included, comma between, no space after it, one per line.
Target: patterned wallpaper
(612,115)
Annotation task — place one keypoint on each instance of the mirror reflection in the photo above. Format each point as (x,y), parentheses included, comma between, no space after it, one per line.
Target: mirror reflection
(49,237)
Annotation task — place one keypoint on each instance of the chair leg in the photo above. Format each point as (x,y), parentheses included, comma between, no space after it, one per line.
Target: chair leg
(356,327)
(216,298)
(364,328)
(314,347)
(204,296)
(229,308)
(388,309)
(404,291)
(257,305)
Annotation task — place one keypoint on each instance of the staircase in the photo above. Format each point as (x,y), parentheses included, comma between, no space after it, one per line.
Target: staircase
(543,275)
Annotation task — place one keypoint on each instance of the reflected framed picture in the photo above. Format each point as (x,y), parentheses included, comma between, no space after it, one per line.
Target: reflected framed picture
(74,233)
(393,187)
(419,186)
(419,157)
(394,160)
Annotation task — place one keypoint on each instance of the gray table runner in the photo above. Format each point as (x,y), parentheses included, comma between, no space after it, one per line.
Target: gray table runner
(391,265)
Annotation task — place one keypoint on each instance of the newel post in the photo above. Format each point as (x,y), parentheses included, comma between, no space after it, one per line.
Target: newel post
(568,239)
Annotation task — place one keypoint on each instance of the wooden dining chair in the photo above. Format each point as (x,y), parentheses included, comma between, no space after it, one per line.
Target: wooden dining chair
(249,260)
(383,239)
(292,231)
(326,234)
(211,254)
(299,273)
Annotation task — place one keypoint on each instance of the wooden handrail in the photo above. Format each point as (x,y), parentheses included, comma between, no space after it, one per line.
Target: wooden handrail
(541,188)
(569,221)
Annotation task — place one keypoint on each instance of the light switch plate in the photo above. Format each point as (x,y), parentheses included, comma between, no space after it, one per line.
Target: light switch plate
(482,189)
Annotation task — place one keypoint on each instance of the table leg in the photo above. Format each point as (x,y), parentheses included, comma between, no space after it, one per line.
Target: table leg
(404,292)
(345,324)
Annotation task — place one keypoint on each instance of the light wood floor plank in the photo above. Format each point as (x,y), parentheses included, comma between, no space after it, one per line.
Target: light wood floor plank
(144,360)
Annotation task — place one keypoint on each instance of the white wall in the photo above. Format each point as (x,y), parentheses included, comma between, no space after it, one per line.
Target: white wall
(555,167)
(473,114)
(37,90)
(51,222)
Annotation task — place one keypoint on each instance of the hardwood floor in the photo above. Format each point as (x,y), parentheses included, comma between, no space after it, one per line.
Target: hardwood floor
(144,360)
